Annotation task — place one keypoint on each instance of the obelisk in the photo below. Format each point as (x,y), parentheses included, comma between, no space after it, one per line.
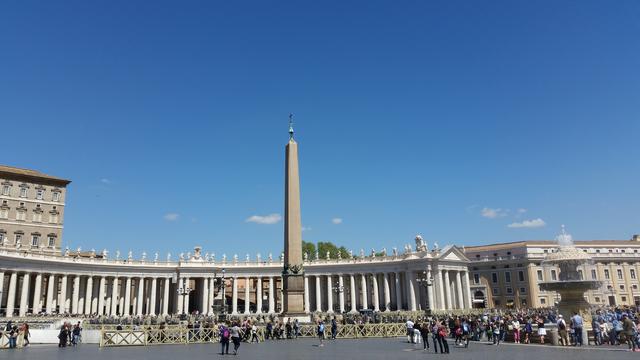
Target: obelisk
(293,272)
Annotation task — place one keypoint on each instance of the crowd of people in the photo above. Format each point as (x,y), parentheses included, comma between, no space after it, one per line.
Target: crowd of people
(14,332)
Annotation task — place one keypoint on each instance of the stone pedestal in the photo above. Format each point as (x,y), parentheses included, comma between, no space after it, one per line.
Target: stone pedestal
(293,301)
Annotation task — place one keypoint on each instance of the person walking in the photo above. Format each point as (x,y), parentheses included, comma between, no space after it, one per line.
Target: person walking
(236,335)
(334,329)
(576,325)
(442,339)
(495,326)
(321,332)
(628,327)
(225,335)
(26,334)
(409,325)
(424,333)
(254,334)
(562,331)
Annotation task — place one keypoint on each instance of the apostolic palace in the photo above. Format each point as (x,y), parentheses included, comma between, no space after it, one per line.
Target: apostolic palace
(38,276)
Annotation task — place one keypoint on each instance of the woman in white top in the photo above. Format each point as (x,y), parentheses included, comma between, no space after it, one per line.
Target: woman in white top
(516,330)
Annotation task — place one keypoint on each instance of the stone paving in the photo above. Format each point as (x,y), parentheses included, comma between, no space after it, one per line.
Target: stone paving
(370,349)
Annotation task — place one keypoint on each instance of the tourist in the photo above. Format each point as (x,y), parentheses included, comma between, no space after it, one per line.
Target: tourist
(225,334)
(629,329)
(435,337)
(13,336)
(296,328)
(528,331)
(269,331)
(465,332)
(496,332)
(334,328)
(321,332)
(542,332)
(424,333)
(597,332)
(409,325)
(254,334)
(236,334)
(76,334)
(515,324)
(63,336)
(26,334)
(576,325)
(442,339)
(562,331)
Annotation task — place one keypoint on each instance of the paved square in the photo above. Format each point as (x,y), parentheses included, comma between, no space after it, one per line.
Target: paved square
(308,349)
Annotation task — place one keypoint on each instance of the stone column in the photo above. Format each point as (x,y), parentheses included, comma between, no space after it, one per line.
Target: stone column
(127,297)
(352,293)
(50,289)
(459,289)
(411,291)
(212,295)
(63,295)
(75,295)
(363,286)
(1,284)
(398,291)
(37,294)
(165,297)
(101,288)
(341,293)
(187,285)
(376,295)
(272,302)
(440,283)
(114,297)
(447,289)
(205,296)
(259,295)
(11,295)
(467,290)
(318,294)
(180,302)
(24,296)
(152,301)
(88,295)
(329,294)
(387,295)
(430,298)
(234,297)
(247,295)
(307,305)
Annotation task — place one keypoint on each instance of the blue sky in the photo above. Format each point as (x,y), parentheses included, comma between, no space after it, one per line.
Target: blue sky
(454,119)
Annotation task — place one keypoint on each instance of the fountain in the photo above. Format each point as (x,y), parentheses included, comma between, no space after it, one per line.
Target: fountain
(570,284)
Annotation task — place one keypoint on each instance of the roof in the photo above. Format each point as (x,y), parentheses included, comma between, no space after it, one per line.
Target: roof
(526,243)
(19,173)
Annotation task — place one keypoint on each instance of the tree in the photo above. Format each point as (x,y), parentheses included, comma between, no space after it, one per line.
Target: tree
(323,247)
(309,248)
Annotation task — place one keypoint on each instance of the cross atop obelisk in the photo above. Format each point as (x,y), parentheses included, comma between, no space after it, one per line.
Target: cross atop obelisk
(293,278)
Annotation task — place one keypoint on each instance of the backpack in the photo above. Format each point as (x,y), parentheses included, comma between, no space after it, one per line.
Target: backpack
(321,328)
(225,333)
(562,325)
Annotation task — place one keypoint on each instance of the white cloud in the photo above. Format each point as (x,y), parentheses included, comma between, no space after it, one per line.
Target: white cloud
(268,219)
(171,216)
(535,223)
(336,221)
(105,181)
(521,211)
(305,228)
(490,213)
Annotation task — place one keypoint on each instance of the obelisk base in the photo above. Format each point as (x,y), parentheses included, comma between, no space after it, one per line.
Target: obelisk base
(293,295)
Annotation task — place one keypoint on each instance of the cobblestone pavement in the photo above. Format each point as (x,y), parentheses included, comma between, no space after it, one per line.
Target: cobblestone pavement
(370,349)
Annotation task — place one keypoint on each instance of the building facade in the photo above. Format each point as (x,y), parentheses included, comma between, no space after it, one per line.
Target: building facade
(509,275)
(31,209)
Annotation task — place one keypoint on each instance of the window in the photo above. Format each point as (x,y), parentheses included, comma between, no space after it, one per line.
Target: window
(539,275)
(634,287)
(523,290)
(606,274)
(1,238)
(581,274)
(37,217)
(55,196)
(494,278)
(23,192)
(495,291)
(632,274)
(39,194)
(35,240)
(594,276)
(476,279)
(53,218)
(52,241)
(521,276)
(597,299)
(554,276)
(619,271)
(4,213)
(507,277)
(5,190)
(509,291)
(21,215)
(543,301)
(621,287)
(623,298)
(18,239)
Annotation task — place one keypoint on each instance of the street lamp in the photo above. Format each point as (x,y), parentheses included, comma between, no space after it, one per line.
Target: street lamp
(425,282)
(338,289)
(184,292)
(222,286)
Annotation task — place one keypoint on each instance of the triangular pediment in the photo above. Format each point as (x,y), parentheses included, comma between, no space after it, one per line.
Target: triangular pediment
(453,253)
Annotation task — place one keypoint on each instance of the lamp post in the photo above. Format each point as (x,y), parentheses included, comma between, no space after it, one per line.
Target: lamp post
(183,293)
(338,289)
(425,282)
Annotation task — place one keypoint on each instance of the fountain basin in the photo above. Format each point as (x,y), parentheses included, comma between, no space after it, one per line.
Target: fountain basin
(571,285)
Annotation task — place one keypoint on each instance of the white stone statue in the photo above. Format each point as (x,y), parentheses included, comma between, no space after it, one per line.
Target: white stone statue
(130,256)
(235,258)
(258,257)
(350,254)
(373,252)
(306,256)
(435,246)
(317,255)
(362,253)
(328,255)
(155,257)
(384,251)
(168,256)
(247,258)
(270,257)
(213,257)
(420,244)
(93,253)
(224,258)
(339,255)
(19,245)
(394,251)
(206,257)
(117,254)
(282,256)
(181,256)
(79,250)
(66,250)
(188,255)
(144,255)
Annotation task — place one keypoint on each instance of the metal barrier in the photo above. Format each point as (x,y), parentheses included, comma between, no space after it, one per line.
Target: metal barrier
(183,335)
(4,340)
